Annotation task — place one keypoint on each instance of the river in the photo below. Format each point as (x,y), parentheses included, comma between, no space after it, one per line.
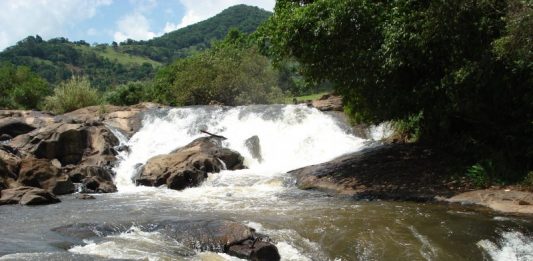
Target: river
(306,225)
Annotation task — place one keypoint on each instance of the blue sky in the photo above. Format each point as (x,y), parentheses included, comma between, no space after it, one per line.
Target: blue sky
(104,21)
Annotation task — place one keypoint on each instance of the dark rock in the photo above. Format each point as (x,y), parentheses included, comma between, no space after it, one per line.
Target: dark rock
(14,127)
(95,179)
(394,171)
(27,196)
(224,236)
(188,166)
(41,173)
(254,147)
(5,137)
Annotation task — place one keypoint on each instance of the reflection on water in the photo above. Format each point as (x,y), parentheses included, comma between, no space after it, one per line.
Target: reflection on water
(305,225)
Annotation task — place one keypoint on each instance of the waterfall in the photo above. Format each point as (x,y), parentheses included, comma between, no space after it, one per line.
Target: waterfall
(291,136)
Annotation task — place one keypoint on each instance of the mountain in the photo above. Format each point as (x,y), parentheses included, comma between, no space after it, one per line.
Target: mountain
(108,65)
(182,42)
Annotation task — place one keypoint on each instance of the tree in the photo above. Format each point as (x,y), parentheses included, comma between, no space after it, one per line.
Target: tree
(20,88)
(452,64)
(232,72)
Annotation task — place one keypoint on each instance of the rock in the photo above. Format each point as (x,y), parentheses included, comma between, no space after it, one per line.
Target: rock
(501,200)
(225,236)
(84,196)
(394,172)
(328,102)
(188,166)
(5,137)
(254,147)
(27,196)
(9,167)
(95,179)
(41,173)
(14,127)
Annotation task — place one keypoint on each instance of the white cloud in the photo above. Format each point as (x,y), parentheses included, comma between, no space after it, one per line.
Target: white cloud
(133,26)
(48,18)
(198,10)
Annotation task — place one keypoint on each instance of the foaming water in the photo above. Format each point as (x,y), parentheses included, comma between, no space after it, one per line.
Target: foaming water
(511,246)
(290,137)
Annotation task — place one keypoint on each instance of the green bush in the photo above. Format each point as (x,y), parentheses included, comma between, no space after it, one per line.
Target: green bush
(71,95)
(232,72)
(20,88)
(128,94)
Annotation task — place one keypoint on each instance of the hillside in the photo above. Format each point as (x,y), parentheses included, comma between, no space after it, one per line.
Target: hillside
(108,65)
(198,36)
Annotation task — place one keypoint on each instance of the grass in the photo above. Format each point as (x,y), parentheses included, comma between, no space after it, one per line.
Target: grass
(288,100)
(120,57)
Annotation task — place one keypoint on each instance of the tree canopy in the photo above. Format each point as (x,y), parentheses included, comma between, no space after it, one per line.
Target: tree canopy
(463,68)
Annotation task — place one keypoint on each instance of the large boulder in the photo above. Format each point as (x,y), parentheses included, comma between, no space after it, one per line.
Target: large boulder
(17,122)
(27,196)
(394,171)
(9,167)
(253,145)
(188,166)
(94,179)
(41,173)
(216,235)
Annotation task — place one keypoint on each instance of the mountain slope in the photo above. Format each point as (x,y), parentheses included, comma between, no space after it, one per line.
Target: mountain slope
(108,65)
(182,42)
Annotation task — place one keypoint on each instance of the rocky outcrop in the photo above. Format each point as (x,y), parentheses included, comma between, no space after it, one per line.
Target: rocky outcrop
(395,171)
(17,122)
(224,236)
(254,147)
(9,167)
(40,173)
(188,166)
(501,200)
(94,179)
(27,196)
(328,102)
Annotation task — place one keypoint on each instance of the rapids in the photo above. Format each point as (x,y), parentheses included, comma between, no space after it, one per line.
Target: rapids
(305,225)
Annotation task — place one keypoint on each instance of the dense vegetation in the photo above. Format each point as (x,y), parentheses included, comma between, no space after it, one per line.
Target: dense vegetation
(459,72)
(20,88)
(107,66)
(71,95)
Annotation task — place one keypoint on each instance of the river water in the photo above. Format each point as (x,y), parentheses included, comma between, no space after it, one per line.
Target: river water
(305,225)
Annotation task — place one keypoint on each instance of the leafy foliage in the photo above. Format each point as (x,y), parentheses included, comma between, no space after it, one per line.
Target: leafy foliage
(20,88)
(232,72)
(129,93)
(464,65)
(71,95)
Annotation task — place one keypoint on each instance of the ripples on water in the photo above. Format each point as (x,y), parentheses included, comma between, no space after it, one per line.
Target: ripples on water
(305,225)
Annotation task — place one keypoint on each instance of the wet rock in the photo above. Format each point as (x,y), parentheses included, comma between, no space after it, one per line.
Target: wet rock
(41,173)
(94,179)
(224,236)
(27,196)
(394,171)
(328,102)
(254,147)
(4,137)
(84,196)
(188,166)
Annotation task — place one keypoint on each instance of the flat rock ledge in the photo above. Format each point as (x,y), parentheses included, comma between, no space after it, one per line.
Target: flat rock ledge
(390,172)
(501,200)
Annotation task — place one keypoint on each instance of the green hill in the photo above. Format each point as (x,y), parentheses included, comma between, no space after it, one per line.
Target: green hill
(108,65)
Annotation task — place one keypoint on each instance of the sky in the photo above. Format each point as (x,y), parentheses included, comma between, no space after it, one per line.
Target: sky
(104,21)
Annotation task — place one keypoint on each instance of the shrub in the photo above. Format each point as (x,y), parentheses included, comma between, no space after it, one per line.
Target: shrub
(128,94)
(71,95)
(20,88)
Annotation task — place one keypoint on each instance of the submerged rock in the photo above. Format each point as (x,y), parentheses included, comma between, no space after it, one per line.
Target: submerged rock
(27,196)
(223,236)
(188,166)
(254,147)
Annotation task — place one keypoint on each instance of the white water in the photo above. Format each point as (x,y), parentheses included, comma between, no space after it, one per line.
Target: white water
(511,246)
(290,137)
